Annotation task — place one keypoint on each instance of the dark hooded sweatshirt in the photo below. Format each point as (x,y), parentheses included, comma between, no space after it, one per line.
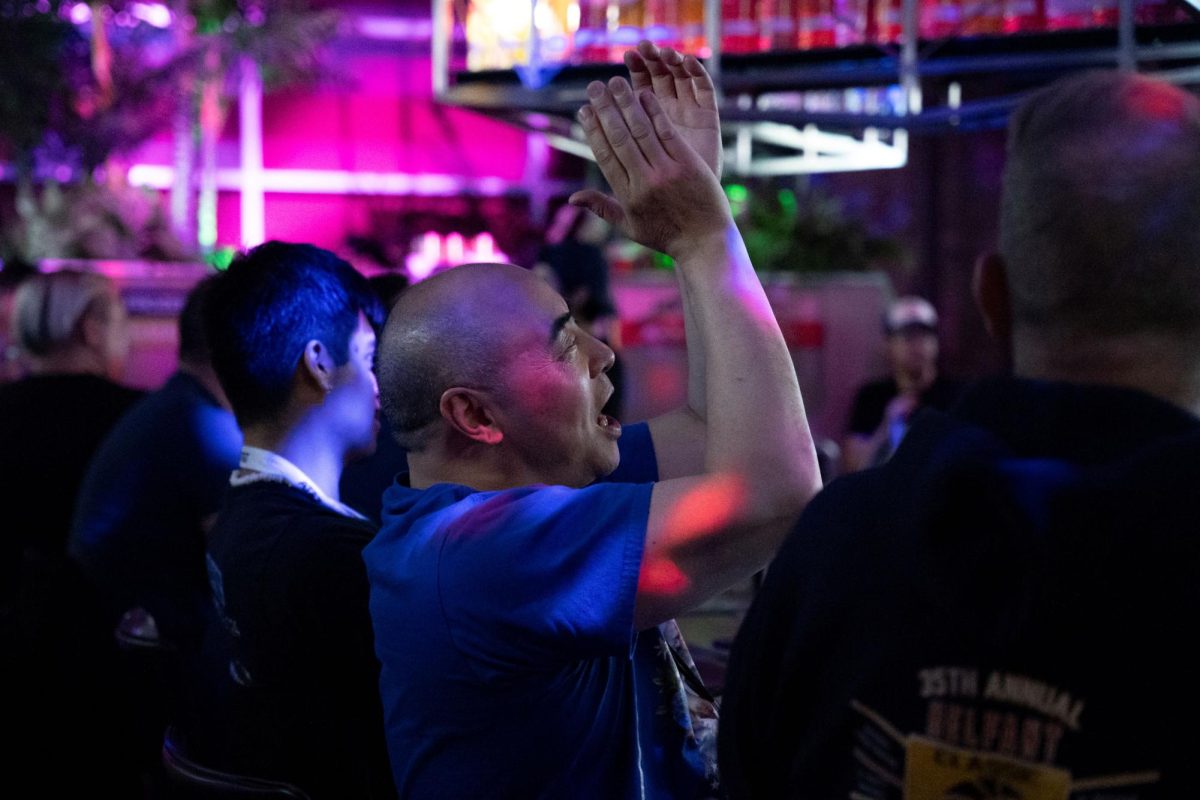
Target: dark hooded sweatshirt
(1004,610)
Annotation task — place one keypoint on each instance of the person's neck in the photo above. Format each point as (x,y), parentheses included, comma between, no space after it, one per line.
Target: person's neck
(1154,364)
(915,383)
(480,469)
(306,446)
(75,361)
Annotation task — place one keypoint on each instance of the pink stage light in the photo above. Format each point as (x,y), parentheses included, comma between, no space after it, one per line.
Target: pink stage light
(455,248)
(485,248)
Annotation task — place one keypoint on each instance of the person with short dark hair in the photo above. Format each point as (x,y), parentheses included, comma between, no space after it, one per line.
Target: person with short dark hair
(883,409)
(291,328)
(1002,609)
(153,488)
(525,579)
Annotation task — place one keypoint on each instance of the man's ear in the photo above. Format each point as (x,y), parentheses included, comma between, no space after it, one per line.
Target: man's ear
(316,365)
(467,411)
(990,287)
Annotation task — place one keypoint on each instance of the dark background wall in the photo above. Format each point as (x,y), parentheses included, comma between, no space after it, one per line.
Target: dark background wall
(944,208)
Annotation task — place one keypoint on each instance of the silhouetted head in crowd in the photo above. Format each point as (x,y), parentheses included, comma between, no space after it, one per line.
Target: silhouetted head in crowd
(488,381)
(291,332)
(193,338)
(71,322)
(12,272)
(910,333)
(389,286)
(195,355)
(1098,278)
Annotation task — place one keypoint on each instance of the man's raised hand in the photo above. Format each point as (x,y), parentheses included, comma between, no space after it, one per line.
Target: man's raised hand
(686,93)
(667,196)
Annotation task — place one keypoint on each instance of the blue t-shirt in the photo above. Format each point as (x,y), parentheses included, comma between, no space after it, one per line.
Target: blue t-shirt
(504,627)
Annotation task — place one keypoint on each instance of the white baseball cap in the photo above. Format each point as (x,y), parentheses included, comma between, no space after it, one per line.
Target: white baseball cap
(910,312)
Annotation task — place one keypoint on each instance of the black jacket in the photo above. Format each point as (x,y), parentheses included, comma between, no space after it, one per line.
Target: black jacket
(1006,604)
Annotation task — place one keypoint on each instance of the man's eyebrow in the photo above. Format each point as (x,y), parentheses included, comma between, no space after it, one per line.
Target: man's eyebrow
(558,325)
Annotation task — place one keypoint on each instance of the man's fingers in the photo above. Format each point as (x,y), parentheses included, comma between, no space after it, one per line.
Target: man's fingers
(600,204)
(639,73)
(668,137)
(661,78)
(640,127)
(614,171)
(616,130)
(702,84)
(673,60)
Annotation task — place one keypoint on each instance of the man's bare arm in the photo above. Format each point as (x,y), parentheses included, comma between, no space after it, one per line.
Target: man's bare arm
(705,533)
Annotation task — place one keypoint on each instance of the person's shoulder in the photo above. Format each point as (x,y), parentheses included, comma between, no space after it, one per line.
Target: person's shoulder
(144,422)
(287,526)
(639,461)
(871,397)
(119,393)
(320,527)
(536,529)
(404,506)
(213,432)
(867,408)
(467,519)
(270,503)
(848,538)
(856,507)
(944,392)
(850,497)
(15,392)
(881,387)
(189,414)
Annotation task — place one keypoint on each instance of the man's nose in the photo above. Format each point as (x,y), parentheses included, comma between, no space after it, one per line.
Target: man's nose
(602,357)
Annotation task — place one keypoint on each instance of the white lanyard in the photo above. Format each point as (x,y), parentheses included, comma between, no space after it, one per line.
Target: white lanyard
(268,466)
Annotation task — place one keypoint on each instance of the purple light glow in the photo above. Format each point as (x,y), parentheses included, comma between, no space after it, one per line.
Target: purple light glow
(154,14)
(394,29)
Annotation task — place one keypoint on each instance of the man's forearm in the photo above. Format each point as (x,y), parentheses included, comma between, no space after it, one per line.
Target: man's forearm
(697,382)
(756,421)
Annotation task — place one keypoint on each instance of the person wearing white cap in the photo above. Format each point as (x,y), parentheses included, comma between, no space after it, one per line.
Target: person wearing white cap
(882,409)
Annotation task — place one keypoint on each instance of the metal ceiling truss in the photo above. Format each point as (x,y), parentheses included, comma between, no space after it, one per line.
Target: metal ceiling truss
(785,115)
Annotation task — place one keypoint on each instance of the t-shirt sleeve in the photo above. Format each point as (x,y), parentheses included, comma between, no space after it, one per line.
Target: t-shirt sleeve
(639,463)
(537,576)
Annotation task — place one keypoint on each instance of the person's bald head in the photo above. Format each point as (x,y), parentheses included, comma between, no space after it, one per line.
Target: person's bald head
(1100,222)
(456,329)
